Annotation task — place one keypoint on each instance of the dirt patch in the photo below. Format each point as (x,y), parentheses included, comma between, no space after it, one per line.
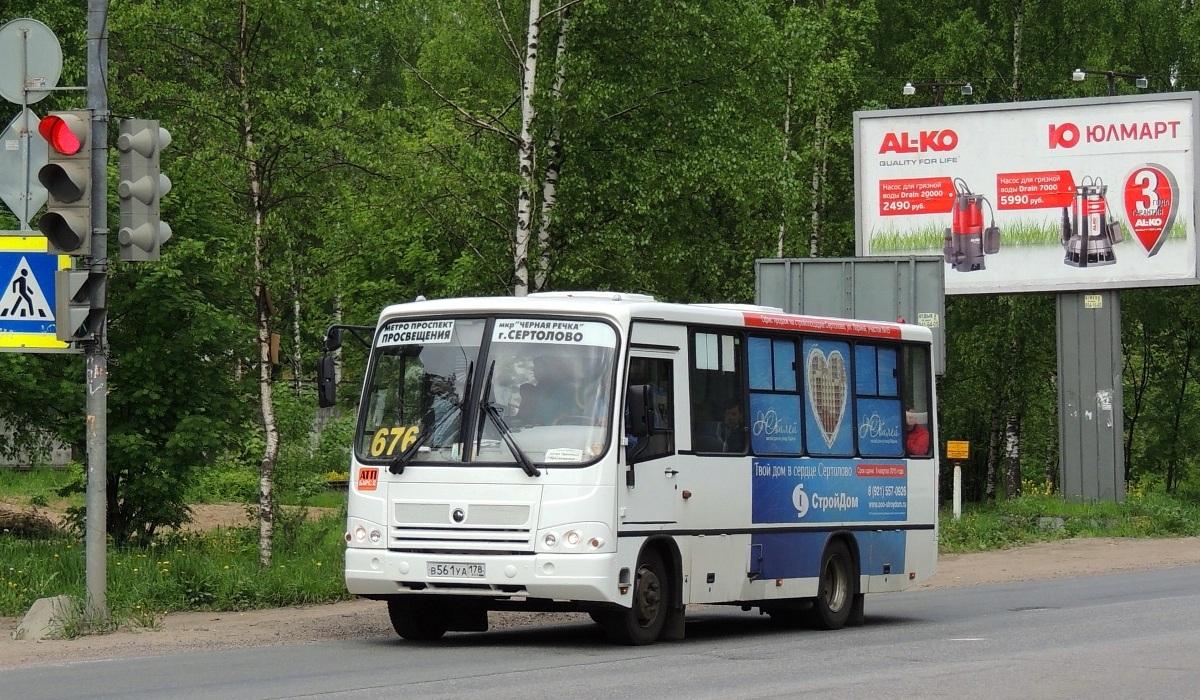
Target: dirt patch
(205,516)
(210,516)
(182,632)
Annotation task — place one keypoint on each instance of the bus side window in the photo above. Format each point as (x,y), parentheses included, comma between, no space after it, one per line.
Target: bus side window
(657,374)
(716,393)
(918,418)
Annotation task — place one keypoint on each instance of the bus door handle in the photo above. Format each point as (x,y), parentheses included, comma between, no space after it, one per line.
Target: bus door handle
(670,472)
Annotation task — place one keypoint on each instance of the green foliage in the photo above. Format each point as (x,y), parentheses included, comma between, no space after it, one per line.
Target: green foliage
(183,571)
(370,149)
(302,473)
(172,395)
(333,451)
(1039,518)
(226,481)
(38,483)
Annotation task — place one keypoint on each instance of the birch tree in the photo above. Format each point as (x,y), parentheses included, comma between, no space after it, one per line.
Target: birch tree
(261,86)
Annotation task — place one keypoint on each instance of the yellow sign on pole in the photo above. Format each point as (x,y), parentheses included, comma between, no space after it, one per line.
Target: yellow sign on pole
(957,449)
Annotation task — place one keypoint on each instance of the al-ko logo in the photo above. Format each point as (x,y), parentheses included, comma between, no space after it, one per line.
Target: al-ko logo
(1067,134)
(935,141)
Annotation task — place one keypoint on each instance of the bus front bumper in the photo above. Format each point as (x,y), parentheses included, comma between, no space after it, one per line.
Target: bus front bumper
(582,577)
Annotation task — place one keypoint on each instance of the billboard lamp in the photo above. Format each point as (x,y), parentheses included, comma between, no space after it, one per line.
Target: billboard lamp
(910,88)
(1139,81)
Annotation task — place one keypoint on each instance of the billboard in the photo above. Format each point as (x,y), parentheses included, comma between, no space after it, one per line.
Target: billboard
(1062,195)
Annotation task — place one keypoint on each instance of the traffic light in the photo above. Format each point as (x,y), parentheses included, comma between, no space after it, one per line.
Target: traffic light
(67,177)
(142,184)
(77,294)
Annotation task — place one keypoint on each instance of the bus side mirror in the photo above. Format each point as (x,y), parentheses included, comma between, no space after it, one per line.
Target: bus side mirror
(333,339)
(326,387)
(639,407)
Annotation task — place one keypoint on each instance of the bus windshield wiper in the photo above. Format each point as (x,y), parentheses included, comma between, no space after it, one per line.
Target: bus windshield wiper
(398,464)
(493,412)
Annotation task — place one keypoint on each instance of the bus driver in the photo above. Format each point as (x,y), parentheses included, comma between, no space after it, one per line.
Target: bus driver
(550,397)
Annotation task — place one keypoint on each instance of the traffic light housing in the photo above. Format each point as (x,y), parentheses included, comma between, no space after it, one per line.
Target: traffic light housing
(67,177)
(141,186)
(79,301)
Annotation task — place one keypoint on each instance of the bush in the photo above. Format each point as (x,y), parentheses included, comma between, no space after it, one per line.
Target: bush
(227,481)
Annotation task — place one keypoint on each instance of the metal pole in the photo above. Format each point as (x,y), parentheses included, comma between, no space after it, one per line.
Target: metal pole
(26,131)
(957,490)
(96,350)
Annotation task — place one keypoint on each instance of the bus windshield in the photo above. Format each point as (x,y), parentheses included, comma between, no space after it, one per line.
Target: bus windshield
(488,390)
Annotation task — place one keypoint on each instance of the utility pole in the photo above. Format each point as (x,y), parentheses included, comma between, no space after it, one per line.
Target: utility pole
(96,349)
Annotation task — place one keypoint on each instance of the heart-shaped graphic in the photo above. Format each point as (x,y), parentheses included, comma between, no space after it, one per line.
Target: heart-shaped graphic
(1151,198)
(827,391)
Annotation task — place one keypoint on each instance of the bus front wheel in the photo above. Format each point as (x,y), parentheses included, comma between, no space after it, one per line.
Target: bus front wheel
(837,588)
(642,623)
(418,618)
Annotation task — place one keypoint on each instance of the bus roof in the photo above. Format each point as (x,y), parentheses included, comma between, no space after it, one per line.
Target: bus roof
(624,307)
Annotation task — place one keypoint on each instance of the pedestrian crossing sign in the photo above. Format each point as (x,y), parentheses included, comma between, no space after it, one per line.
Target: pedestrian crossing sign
(27,321)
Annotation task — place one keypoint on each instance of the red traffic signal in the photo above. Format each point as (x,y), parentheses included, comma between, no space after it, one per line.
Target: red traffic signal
(65,132)
(67,177)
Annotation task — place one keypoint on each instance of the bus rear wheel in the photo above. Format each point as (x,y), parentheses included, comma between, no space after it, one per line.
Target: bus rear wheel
(418,618)
(837,588)
(642,623)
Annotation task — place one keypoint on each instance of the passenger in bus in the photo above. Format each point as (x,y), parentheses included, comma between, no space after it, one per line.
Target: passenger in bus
(551,396)
(916,442)
(732,429)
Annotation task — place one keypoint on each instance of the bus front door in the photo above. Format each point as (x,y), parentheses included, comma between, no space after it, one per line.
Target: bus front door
(652,494)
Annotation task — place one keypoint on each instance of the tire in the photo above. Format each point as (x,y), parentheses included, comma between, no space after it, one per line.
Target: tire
(642,623)
(837,588)
(417,618)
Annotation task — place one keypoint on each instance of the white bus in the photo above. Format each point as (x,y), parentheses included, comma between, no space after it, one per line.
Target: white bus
(607,453)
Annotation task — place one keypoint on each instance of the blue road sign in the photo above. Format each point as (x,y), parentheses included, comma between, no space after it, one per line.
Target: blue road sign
(27,298)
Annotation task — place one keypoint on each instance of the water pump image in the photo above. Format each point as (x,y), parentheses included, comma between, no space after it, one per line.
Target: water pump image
(967,241)
(1088,234)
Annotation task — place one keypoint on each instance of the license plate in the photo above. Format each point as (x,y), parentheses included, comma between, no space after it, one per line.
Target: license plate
(455,570)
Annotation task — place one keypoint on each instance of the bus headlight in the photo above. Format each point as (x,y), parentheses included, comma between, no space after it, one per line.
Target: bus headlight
(585,538)
(363,533)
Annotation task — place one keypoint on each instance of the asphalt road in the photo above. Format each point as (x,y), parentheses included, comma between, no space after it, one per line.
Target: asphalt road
(1119,636)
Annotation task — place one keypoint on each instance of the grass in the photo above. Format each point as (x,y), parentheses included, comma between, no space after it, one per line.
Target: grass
(218,570)
(1042,518)
(34,487)
(931,238)
(215,570)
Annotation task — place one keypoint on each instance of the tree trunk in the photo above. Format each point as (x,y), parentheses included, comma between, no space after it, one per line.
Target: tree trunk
(818,176)
(1012,456)
(266,474)
(1018,21)
(526,155)
(787,150)
(297,341)
(1052,456)
(989,486)
(553,160)
(1172,476)
(1139,396)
